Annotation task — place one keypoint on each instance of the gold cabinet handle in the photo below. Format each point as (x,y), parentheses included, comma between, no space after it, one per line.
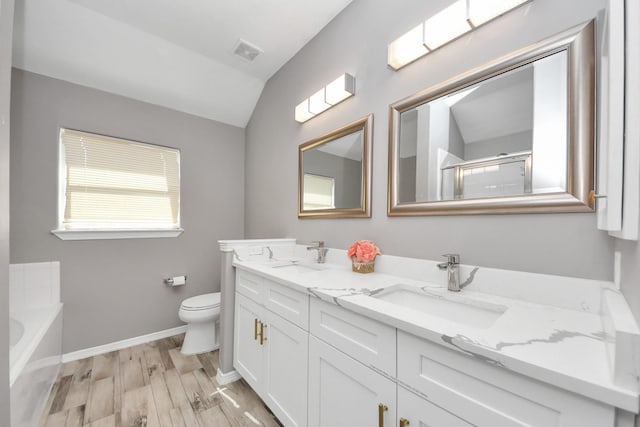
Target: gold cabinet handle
(262,337)
(255,329)
(382,408)
(404,422)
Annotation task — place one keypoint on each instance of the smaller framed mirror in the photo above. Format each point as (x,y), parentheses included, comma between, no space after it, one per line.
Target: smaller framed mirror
(334,173)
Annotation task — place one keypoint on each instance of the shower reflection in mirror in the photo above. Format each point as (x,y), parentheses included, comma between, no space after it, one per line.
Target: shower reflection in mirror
(504,136)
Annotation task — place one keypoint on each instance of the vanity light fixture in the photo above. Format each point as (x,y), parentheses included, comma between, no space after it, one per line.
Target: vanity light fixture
(333,93)
(407,48)
(317,103)
(483,11)
(445,26)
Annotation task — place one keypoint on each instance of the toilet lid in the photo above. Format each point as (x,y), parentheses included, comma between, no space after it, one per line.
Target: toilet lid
(202,302)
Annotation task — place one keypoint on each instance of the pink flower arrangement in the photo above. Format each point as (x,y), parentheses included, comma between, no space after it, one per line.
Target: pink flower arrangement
(363,251)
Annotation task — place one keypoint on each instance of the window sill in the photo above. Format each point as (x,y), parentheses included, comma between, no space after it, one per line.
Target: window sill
(114,234)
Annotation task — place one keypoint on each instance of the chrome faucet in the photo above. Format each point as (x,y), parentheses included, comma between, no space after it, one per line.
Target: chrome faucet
(453,274)
(270,253)
(319,246)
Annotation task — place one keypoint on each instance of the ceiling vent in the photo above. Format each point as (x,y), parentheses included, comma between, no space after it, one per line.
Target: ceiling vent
(246,50)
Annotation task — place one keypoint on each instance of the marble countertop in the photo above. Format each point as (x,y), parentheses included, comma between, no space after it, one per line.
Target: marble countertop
(567,347)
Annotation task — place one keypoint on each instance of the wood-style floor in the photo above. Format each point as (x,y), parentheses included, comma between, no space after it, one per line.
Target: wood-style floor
(151,385)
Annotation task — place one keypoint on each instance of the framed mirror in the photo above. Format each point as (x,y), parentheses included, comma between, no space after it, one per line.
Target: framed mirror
(513,136)
(334,173)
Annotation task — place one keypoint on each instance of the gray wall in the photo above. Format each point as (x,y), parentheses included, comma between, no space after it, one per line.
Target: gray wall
(113,289)
(356,42)
(347,174)
(6,32)
(456,141)
(407,179)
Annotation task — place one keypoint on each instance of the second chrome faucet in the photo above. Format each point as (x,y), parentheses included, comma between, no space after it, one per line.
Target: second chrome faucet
(453,273)
(322,251)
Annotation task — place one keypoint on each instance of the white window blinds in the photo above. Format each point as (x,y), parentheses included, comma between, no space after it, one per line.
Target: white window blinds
(114,184)
(318,192)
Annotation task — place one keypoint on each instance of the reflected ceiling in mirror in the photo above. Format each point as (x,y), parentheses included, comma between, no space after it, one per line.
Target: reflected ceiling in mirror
(334,173)
(479,141)
(515,135)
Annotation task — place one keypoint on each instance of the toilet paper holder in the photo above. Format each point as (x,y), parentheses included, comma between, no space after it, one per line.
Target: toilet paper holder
(176,281)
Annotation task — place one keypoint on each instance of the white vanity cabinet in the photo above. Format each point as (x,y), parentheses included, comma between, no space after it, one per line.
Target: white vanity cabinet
(271,353)
(355,365)
(319,362)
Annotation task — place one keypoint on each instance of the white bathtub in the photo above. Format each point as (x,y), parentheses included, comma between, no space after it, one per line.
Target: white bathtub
(16,331)
(34,363)
(35,332)
(39,325)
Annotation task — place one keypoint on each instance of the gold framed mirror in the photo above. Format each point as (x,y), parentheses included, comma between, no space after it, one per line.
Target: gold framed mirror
(516,135)
(334,173)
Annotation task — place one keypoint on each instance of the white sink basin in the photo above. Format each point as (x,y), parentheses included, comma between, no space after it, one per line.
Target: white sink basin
(298,267)
(455,308)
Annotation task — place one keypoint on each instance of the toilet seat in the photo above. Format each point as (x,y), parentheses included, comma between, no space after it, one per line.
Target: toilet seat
(201,313)
(201,302)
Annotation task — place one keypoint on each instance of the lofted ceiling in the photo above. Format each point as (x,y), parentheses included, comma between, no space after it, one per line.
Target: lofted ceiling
(498,107)
(177,54)
(492,109)
(348,147)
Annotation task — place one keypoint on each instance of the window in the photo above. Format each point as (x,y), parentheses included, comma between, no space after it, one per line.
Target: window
(115,188)
(319,192)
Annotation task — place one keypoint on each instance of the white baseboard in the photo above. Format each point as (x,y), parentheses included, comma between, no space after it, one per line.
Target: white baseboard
(118,345)
(227,378)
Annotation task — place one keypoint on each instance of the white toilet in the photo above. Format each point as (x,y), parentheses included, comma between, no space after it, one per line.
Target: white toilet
(201,313)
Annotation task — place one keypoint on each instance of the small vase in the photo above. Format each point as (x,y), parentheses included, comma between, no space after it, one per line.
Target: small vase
(362,267)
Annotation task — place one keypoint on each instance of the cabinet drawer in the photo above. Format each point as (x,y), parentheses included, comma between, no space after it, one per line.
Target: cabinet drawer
(421,412)
(364,339)
(486,395)
(288,303)
(250,285)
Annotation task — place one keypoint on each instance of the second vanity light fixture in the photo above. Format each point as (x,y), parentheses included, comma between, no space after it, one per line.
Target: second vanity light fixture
(445,26)
(333,93)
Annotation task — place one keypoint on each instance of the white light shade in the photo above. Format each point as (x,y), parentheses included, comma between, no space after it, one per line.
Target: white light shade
(302,113)
(406,48)
(337,91)
(481,11)
(340,89)
(317,103)
(446,25)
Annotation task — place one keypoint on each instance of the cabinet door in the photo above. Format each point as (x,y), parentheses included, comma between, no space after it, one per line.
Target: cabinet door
(344,392)
(247,351)
(422,413)
(286,360)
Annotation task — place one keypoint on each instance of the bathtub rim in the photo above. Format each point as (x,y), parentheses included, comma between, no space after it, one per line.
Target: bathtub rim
(13,321)
(18,362)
